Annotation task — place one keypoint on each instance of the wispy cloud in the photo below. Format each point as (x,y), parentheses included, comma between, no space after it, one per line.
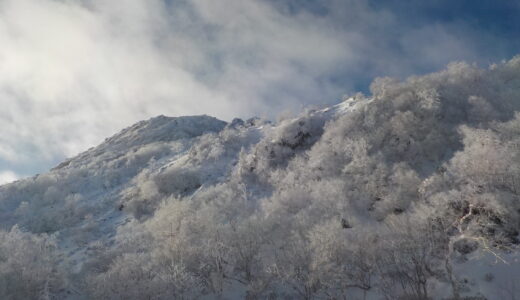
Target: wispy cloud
(73,72)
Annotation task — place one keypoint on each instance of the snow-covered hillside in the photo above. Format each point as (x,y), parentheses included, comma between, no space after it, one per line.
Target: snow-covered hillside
(410,193)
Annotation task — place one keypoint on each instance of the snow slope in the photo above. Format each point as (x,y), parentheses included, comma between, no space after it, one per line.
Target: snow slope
(79,199)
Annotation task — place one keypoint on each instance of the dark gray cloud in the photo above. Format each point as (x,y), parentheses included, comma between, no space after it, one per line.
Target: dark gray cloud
(74,72)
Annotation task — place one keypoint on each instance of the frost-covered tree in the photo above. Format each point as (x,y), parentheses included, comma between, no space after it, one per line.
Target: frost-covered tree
(30,266)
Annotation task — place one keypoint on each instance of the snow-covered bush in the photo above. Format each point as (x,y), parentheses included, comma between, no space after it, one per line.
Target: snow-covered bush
(29,266)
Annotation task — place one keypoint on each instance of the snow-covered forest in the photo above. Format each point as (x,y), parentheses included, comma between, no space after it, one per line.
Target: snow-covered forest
(411,192)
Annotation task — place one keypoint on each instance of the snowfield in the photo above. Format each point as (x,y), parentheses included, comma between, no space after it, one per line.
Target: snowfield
(412,192)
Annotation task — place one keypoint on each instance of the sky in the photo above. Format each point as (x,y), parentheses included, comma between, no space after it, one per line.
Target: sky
(73,72)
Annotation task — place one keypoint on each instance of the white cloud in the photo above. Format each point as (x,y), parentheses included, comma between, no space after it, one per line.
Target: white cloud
(73,72)
(7,176)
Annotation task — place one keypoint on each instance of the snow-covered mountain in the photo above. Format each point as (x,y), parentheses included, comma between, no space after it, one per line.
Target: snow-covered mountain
(411,193)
